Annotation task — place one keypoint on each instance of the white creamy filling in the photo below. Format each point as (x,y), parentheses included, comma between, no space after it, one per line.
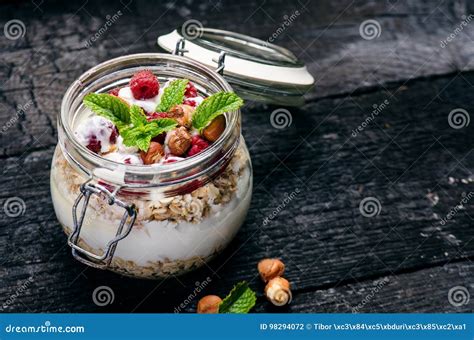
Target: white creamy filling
(163,240)
(165,144)
(197,100)
(123,158)
(124,154)
(148,105)
(95,127)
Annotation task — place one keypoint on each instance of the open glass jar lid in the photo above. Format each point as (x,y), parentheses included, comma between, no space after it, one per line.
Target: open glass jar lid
(256,69)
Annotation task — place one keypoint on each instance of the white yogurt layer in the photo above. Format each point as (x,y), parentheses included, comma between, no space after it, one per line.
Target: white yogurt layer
(163,240)
(148,105)
(123,158)
(196,100)
(95,127)
(124,154)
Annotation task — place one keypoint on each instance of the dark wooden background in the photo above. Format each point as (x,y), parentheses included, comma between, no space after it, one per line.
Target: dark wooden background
(406,158)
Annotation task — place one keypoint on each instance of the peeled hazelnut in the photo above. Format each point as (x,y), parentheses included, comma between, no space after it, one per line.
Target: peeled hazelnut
(270,268)
(179,141)
(214,130)
(278,291)
(154,154)
(209,304)
(182,114)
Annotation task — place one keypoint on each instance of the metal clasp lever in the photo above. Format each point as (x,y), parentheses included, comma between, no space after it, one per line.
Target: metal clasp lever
(220,63)
(83,255)
(180,50)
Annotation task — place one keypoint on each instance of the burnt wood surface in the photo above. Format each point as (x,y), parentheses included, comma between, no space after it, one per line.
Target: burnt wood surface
(405,259)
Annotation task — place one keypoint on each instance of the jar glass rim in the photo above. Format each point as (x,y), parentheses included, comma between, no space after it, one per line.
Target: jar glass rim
(97,72)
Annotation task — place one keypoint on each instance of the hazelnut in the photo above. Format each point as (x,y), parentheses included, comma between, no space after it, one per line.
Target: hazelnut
(182,114)
(270,268)
(278,291)
(213,131)
(209,304)
(179,141)
(153,155)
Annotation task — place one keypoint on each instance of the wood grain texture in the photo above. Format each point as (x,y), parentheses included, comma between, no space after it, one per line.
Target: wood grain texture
(407,155)
(325,36)
(403,293)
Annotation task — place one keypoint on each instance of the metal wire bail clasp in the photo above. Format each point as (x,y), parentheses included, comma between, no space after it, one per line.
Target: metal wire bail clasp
(179,49)
(99,261)
(220,63)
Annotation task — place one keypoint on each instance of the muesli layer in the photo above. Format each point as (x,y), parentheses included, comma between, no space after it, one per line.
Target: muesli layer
(192,207)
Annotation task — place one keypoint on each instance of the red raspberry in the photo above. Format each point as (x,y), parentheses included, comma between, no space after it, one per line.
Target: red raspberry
(190,102)
(99,130)
(94,144)
(115,91)
(197,145)
(105,185)
(113,135)
(157,115)
(190,91)
(144,85)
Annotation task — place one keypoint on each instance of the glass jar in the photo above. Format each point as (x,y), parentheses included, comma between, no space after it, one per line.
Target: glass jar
(149,221)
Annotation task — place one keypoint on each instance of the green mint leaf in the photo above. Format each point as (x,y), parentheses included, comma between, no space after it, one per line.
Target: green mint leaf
(213,106)
(136,136)
(130,135)
(157,127)
(173,95)
(132,122)
(137,116)
(109,107)
(143,143)
(241,299)
(142,131)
